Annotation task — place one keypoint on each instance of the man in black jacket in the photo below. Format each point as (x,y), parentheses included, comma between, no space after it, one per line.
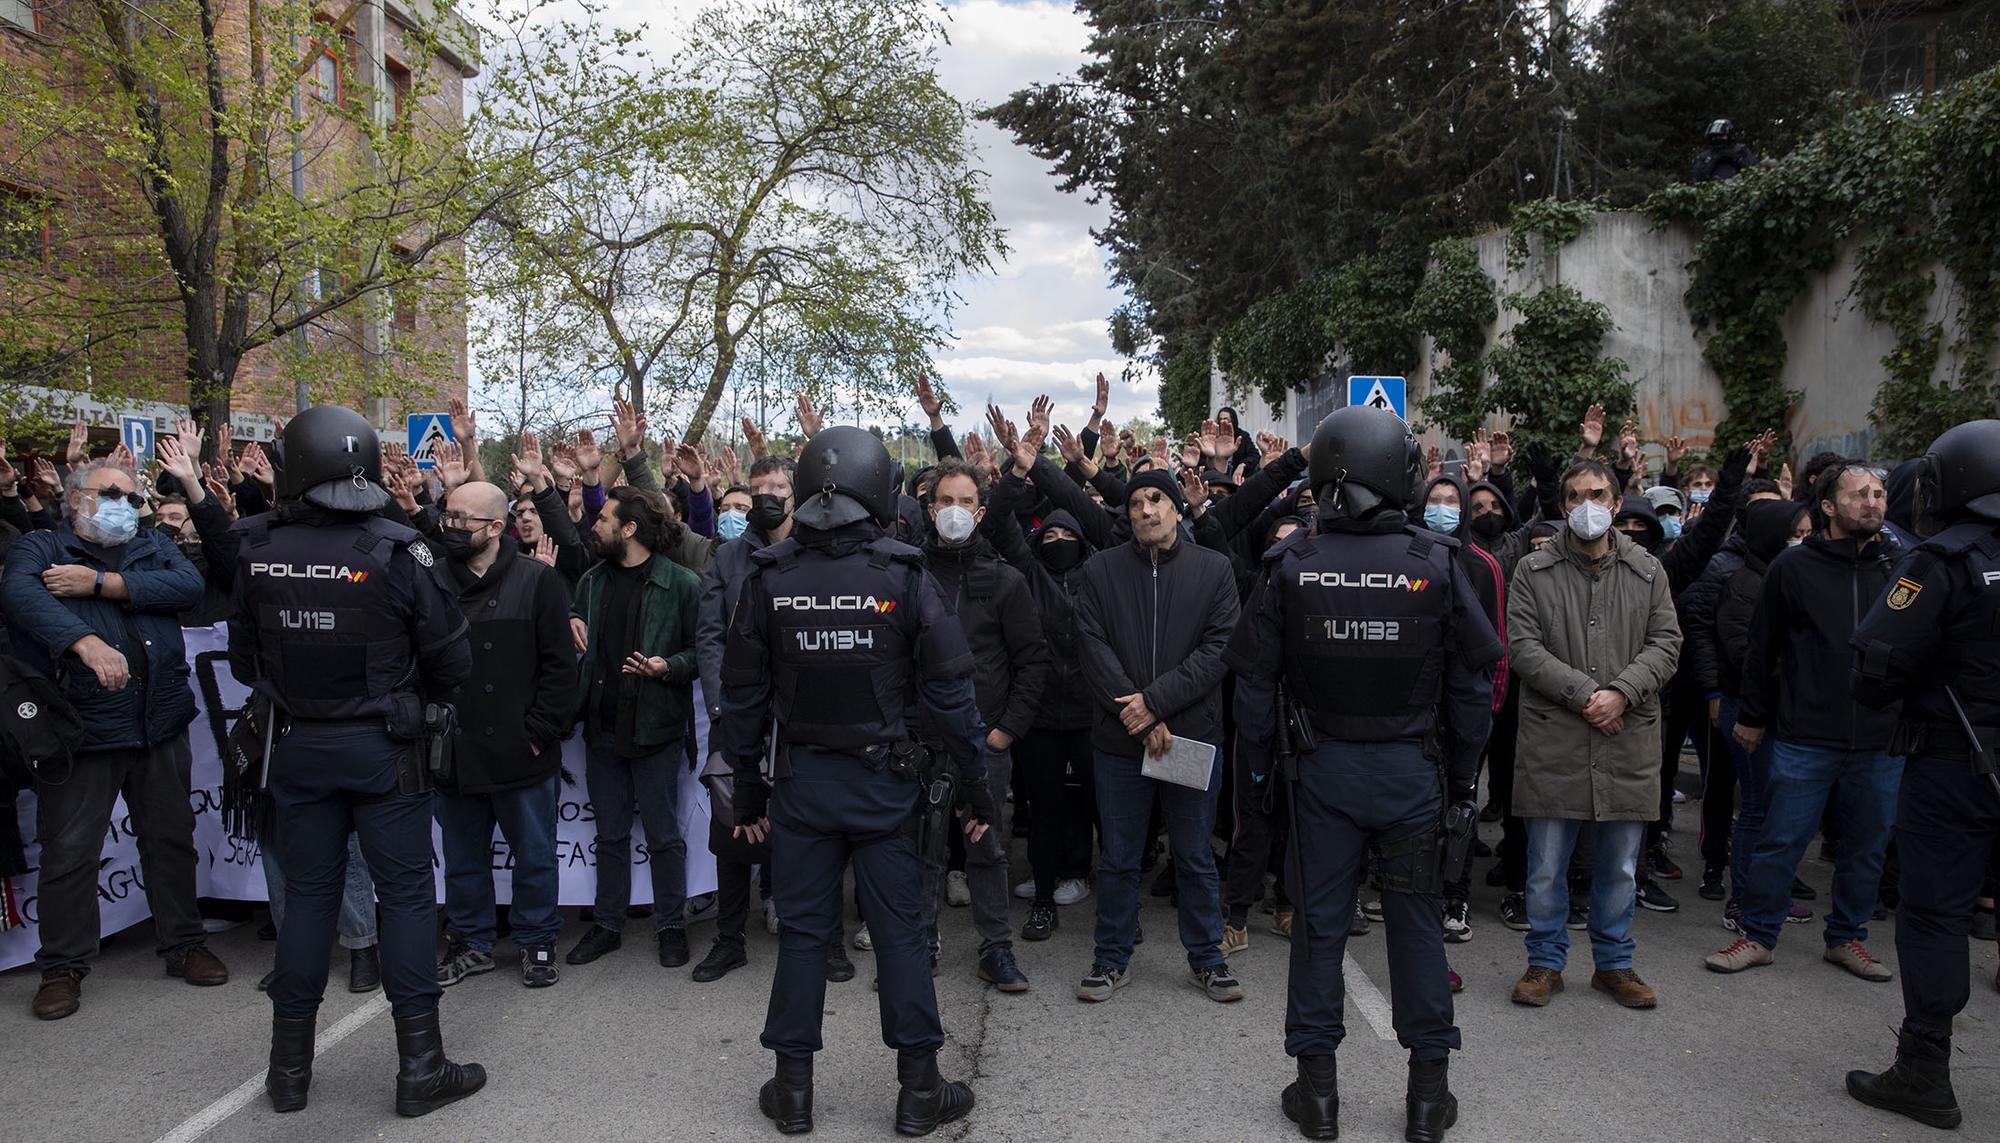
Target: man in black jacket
(1010,662)
(1154,617)
(1795,680)
(507,754)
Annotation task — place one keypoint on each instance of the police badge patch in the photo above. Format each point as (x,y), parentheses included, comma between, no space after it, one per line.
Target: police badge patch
(422,553)
(1903,594)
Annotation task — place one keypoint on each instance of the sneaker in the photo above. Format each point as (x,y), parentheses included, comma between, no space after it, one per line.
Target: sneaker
(1281,923)
(538,966)
(1740,954)
(1217,982)
(1732,917)
(1457,922)
(1373,909)
(999,969)
(771,917)
(1663,867)
(1711,883)
(1802,891)
(461,960)
(1798,915)
(1042,922)
(861,940)
(1358,925)
(1626,988)
(1651,896)
(1235,939)
(1579,915)
(839,970)
(700,908)
(1457,981)
(724,956)
(1514,911)
(1025,890)
(1070,890)
(1537,986)
(1855,958)
(1100,982)
(1680,798)
(673,948)
(957,891)
(596,941)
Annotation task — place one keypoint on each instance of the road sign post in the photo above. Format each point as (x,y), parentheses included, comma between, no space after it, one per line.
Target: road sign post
(427,432)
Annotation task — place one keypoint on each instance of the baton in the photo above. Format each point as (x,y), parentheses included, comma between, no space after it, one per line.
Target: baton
(270,724)
(1982,763)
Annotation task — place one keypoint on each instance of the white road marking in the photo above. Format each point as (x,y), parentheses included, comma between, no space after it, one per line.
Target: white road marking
(1362,993)
(209,1118)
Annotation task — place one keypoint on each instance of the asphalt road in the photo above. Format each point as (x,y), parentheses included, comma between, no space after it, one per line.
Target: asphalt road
(624,1049)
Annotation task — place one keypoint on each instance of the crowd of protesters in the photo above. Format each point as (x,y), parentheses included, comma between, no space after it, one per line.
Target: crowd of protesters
(1098,582)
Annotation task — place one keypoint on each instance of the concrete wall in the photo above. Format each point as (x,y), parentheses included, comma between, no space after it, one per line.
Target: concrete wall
(1639,271)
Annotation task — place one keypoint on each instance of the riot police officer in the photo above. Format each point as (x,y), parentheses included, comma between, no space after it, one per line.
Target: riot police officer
(1932,641)
(838,634)
(1364,677)
(343,623)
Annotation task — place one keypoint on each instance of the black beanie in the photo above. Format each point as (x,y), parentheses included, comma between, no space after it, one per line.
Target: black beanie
(1157,478)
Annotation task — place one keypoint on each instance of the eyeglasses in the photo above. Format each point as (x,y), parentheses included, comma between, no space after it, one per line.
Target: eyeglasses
(458,520)
(133,498)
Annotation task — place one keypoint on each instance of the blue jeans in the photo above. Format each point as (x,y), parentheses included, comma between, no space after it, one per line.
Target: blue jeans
(653,780)
(527,818)
(356,924)
(1125,803)
(1753,773)
(1613,890)
(1795,794)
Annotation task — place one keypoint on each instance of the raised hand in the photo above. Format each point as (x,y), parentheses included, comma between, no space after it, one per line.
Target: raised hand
(123,458)
(1591,431)
(398,485)
(545,550)
(630,426)
(1209,433)
(1068,445)
(528,463)
(688,459)
(1102,403)
(78,449)
(1193,489)
(1433,463)
(257,466)
(975,451)
(464,424)
(185,465)
(9,478)
(927,399)
(1628,442)
(1038,419)
(1500,449)
(1785,481)
(449,464)
(562,464)
(1191,450)
(732,469)
(1025,455)
(589,457)
(216,479)
(47,485)
(1677,450)
(754,437)
(810,421)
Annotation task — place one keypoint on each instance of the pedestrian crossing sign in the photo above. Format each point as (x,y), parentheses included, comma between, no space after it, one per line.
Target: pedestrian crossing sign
(427,432)
(1380,393)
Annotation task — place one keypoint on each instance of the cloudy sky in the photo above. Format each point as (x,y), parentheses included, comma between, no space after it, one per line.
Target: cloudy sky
(1037,325)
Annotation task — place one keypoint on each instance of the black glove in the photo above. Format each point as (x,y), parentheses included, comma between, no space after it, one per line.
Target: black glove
(1542,464)
(752,802)
(1735,467)
(975,801)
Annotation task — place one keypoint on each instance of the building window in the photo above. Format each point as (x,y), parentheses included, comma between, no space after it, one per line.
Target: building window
(323,81)
(24,226)
(21,14)
(407,295)
(399,87)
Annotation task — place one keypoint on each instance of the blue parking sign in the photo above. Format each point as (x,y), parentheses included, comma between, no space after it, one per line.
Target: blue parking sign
(137,433)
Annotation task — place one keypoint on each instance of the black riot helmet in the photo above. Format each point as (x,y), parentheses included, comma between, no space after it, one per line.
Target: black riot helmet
(1960,477)
(334,460)
(1721,131)
(1363,459)
(844,475)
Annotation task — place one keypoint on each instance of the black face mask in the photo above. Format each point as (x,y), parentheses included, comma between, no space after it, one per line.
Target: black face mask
(1060,555)
(458,543)
(767,512)
(1644,540)
(1489,524)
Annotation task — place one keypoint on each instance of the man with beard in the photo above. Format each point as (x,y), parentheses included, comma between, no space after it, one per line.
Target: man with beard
(1010,662)
(1795,681)
(634,621)
(514,712)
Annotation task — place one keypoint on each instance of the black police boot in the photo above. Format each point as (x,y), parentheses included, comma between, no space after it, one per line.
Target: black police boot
(364,969)
(1313,1100)
(1918,1084)
(426,1080)
(927,1098)
(291,1063)
(1430,1105)
(786,1099)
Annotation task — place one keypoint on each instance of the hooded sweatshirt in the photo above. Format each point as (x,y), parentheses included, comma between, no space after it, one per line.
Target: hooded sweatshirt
(1483,571)
(1716,609)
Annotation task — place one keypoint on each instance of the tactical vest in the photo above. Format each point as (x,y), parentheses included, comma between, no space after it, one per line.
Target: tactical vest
(1968,658)
(1366,621)
(333,639)
(842,634)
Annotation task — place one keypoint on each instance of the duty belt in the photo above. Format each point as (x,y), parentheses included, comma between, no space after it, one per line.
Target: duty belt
(330,726)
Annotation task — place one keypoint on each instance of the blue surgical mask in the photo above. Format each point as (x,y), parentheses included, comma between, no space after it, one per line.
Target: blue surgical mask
(1441,518)
(1672,524)
(731,524)
(1701,495)
(112,524)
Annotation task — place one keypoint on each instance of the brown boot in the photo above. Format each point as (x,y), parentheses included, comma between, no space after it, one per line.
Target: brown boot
(196,965)
(60,995)
(1626,988)
(1537,985)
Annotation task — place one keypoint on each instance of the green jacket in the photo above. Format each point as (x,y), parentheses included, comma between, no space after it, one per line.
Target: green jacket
(667,614)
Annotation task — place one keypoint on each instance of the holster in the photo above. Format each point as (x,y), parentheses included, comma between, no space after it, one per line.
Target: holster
(1461,828)
(405,724)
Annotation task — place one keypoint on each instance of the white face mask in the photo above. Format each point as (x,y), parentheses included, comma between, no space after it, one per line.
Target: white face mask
(954,524)
(1589,520)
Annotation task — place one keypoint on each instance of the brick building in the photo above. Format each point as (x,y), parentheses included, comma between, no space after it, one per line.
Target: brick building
(61,213)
